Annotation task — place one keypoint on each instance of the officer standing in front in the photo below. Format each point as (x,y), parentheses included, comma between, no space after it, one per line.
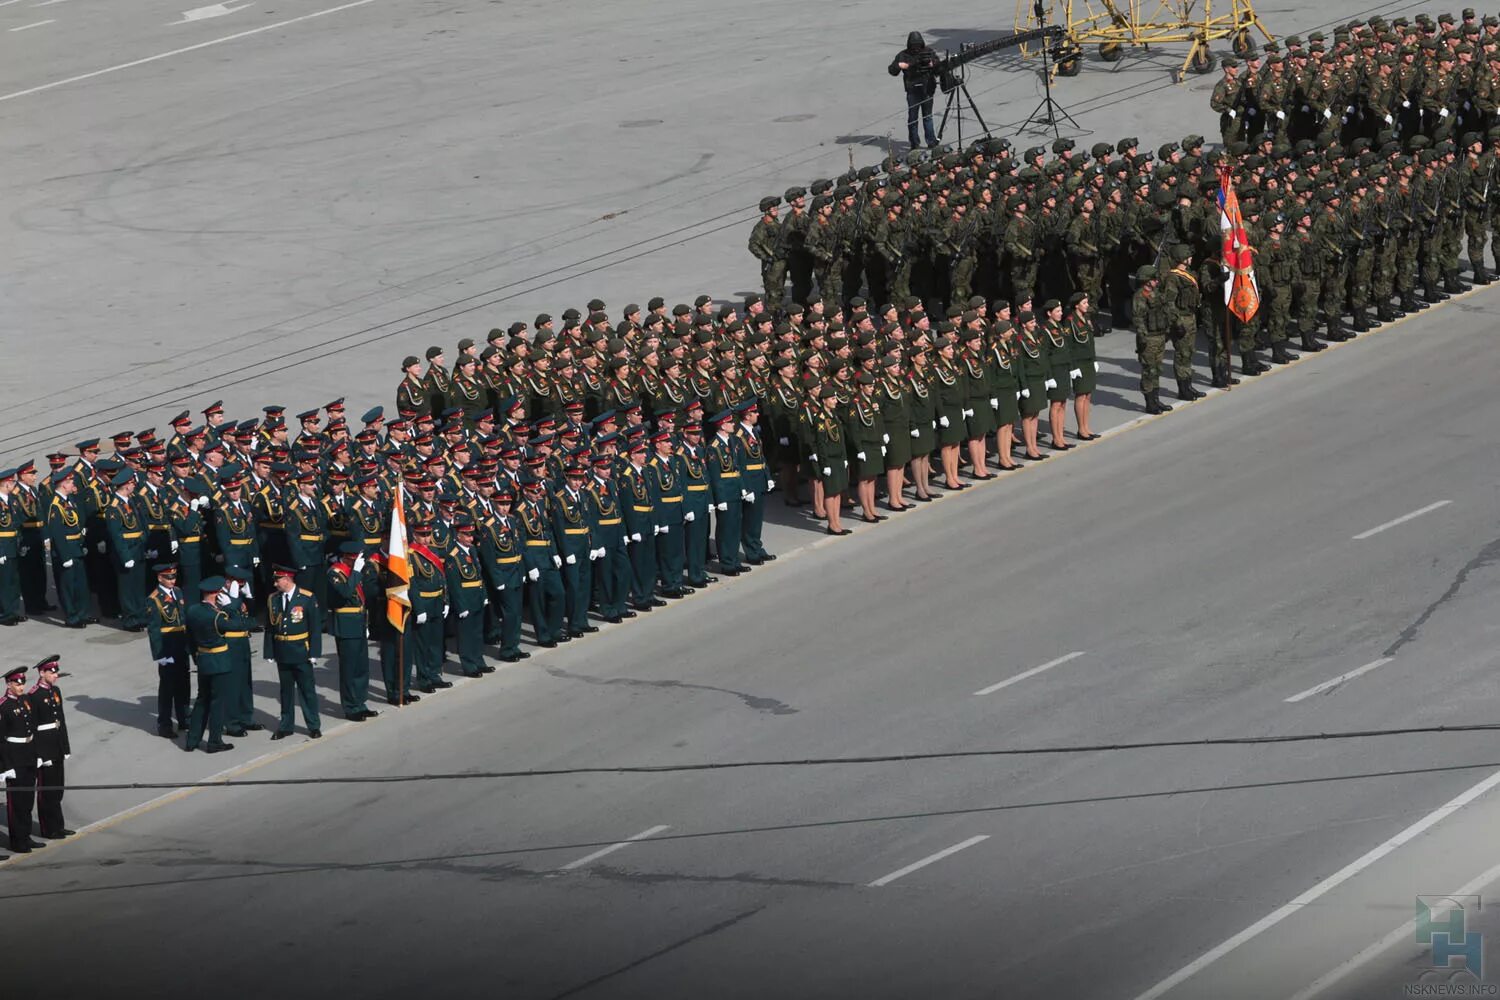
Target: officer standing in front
(208,622)
(18,760)
(166,627)
(292,613)
(52,749)
(346,598)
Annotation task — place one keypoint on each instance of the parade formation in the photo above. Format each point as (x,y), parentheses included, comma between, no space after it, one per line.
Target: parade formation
(594,467)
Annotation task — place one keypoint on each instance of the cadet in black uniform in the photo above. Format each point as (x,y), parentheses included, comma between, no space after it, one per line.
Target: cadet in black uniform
(52,749)
(18,760)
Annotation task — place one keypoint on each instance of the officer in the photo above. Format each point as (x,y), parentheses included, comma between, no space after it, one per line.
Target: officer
(208,622)
(1149,320)
(546,596)
(65,534)
(52,749)
(611,570)
(667,488)
(33,515)
(1180,299)
(429,608)
(464,569)
(127,550)
(307,546)
(725,463)
(572,532)
(638,503)
(238,688)
(346,595)
(500,546)
(166,628)
(755,484)
(18,760)
(11,607)
(290,613)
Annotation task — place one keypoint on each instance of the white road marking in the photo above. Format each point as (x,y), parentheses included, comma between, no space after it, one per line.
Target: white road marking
(35,24)
(177,52)
(48,3)
(1401,520)
(612,848)
(199,13)
(1329,685)
(930,859)
(1324,887)
(1406,933)
(7,3)
(1030,673)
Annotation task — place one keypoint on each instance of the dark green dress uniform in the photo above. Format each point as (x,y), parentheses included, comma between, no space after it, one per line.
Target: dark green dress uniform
(52,748)
(756,483)
(1059,352)
(501,547)
(166,628)
(865,434)
(33,515)
(1080,334)
(725,466)
(667,487)
(637,503)
(127,552)
(65,532)
(187,529)
(207,626)
(951,396)
(923,404)
(464,569)
(238,688)
(895,417)
(611,569)
(424,626)
(155,504)
(288,642)
(1035,370)
(307,547)
(572,532)
(92,501)
(1005,382)
(832,467)
(979,413)
(234,529)
(11,605)
(346,598)
(692,470)
(545,595)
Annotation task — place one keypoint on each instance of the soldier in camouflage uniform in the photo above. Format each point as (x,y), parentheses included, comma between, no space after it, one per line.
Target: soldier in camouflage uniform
(1149,320)
(765,246)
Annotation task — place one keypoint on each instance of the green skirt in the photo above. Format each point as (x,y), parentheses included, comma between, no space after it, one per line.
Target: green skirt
(982,423)
(955,431)
(898,449)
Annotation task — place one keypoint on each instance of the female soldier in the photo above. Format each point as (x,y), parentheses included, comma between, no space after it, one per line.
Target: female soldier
(784,401)
(1034,373)
(866,444)
(828,457)
(951,398)
(1058,349)
(1005,387)
(979,411)
(895,412)
(1080,329)
(922,420)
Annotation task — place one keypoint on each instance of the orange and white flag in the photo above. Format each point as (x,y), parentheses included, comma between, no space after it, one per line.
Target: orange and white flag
(397,603)
(1241,293)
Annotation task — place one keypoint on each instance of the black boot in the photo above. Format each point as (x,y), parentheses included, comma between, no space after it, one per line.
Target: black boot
(1311,343)
(1156,400)
(1452,285)
(1410,303)
(1336,329)
(1361,321)
(1153,405)
(1229,373)
(1481,276)
(1186,392)
(1432,294)
(1218,381)
(1280,355)
(1384,313)
(1250,365)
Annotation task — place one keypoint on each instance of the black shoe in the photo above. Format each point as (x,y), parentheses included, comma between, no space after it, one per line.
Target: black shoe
(685,590)
(731,571)
(254,727)
(134,628)
(218,747)
(58,834)
(708,580)
(1384,313)
(426,688)
(412,699)
(843,531)
(442,684)
(564,637)
(166,732)
(1482,277)
(74,625)
(92,620)
(486,669)
(21,848)
(549,644)
(579,633)
(316,734)
(369,713)
(1280,355)
(355,716)
(281,734)
(614,619)
(238,734)
(12,620)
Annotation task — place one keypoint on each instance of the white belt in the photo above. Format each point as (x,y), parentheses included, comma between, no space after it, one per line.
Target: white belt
(45,726)
(18,739)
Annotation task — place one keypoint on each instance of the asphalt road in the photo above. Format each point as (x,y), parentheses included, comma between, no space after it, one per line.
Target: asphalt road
(305,193)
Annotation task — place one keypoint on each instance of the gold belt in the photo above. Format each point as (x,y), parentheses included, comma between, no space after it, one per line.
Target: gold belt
(31,524)
(429,593)
(671,499)
(507,560)
(74,538)
(311,538)
(540,542)
(212,649)
(472,583)
(292,638)
(609,520)
(641,510)
(190,538)
(132,534)
(373,541)
(348,611)
(575,531)
(756,467)
(172,628)
(241,541)
(236,635)
(699,488)
(729,475)
(9,534)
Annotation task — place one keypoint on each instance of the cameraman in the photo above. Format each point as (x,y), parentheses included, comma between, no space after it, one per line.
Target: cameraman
(918,63)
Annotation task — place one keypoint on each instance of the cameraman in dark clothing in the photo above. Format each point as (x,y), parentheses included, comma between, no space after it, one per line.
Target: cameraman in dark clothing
(918,63)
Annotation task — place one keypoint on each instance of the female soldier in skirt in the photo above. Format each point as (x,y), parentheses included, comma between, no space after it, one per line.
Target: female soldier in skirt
(922,411)
(951,399)
(1034,373)
(895,413)
(979,411)
(866,444)
(828,457)
(783,401)
(1080,329)
(1005,387)
(1058,348)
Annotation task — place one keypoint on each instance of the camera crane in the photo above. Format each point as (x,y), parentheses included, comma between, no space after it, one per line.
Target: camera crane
(950,73)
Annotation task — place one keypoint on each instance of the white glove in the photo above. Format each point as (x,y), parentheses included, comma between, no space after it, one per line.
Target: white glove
(784,442)
(771,483)
(535,574)
(1305,109)
(666,529)
(1051,383)
(245,590)
(150,553)
(813,457)
(421,618)
(463,614)
(222,600)
(557,561)
(1075,373)
(1327,113)
(100,548)
(572,560)
(3,560)
(968,413)
(7,775)
(174,545)
(916,432)
(860,455)
(1349,109)
(1231,113)
(1442,112)
(25,551)
(885,439)
(1343,119)
(255,560)
(359,562)
(43,763)
(749,496)
(943,420)
(689,516)
(67,756)
(445,611)
(1281,115)
(593,555)
(1250,112)
(722,506)
(1096,366)
(827,471)
(1026,393)
(130,564)
(635,537)
(269,659)
(1389,120)
(994,403)
(1406,104)
(234,588)
(655,530)
(164,661)
(67,564)
(1018,393)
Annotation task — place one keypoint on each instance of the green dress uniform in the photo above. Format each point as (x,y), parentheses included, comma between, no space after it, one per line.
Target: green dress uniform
(828,444)
(571,530)
(725,465)
(238,688)
(692,469)
(500,545)
(346,596)
(1035,370)
(922,413)
(951,396)
(1059,353)
(288,642)
(979,412)
(92,501)
(666,486)
(1005,382)
(65,533)
(11,605)
(464,569)
(424,626)
(865,434)
(155,503)
(234,529)
(33,557)
(895,417)
(1080,334)
(127,552)
(755,483)
(207,626)
(187,529)
(545,594)
(166,628)
(638,505)
(307,548)
(18,754)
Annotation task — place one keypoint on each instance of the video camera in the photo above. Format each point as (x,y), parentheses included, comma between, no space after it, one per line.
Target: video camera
(949,70)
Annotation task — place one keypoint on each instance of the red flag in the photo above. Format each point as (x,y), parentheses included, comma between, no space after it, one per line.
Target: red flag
(1241,293)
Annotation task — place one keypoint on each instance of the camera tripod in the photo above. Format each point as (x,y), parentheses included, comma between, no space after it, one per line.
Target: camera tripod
(955,108)
(1049,113)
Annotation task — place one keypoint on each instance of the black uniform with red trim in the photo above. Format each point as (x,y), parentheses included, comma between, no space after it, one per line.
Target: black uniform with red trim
(52,749)
(18,763)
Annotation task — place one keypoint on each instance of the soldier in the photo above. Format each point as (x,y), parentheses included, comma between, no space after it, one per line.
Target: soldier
(52,749)
(572,531)
(166,628)
(724,465)
(65,535)
(351,629)
(307,538)
(1276,265)
(1179,303)
(18,760)
(637,500)
(692,468)
(1150,323)
(465,583)
(766,247)
(822,246)
(291,612)
(545,594)
(208,622)
(794,229)
(1308,278)
(238,687)
(429,607)
(32,508)
(501,547)
(127,550)
(755,485)
(1227,99)
(11,606)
